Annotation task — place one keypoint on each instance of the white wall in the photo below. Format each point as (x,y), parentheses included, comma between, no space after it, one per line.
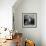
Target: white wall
(6,13)
(28,6)
(6,18)
(43,22)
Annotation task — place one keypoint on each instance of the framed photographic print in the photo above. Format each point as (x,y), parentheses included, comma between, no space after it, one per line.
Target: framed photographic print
(29,20)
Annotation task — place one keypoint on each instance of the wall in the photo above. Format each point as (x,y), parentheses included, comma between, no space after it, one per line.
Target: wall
(28,6)
(6,13)
(43,22)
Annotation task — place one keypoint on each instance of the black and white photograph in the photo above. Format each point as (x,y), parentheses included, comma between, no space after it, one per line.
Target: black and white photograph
(29,19)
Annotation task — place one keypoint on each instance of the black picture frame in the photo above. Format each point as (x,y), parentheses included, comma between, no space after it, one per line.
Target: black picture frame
(29,20)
